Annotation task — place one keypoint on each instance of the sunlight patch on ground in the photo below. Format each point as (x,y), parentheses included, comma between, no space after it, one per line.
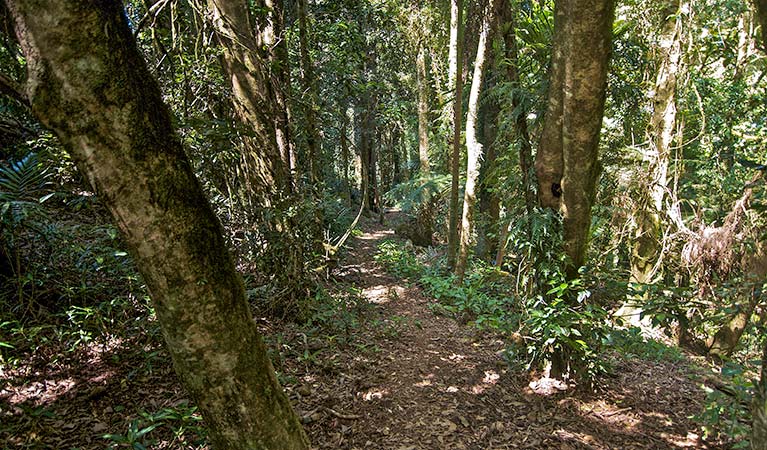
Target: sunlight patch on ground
(490,379)
(581,438)
(47,391)
(373,394)
(547,386)
(382,294)
(376,235)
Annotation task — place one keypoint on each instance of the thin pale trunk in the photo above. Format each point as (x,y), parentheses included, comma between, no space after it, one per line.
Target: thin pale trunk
(423,111)
(646,254)
(456,84)
(309,86)
(473,146)
(88,83)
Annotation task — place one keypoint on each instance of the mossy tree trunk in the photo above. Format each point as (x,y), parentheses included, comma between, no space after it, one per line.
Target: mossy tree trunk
(645,254)
(246,63)
(549,164)
(566,163)
(88,83)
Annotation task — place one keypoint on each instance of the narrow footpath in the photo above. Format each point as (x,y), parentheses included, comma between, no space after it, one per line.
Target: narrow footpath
(422,381)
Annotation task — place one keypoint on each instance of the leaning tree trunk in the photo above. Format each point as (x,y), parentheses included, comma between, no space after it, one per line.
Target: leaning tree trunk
(246,65)
(456,85)
(473,146)
(88,83)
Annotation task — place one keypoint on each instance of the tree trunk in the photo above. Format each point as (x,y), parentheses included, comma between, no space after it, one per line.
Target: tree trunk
(761,14)
(549,163)
(473,146)
(520,115)
(487,197)
(280,61)
(309,85)
(456,85)
(646,253)
(759,406)
(585,83)
(88,83)
(246,65)
(423,111)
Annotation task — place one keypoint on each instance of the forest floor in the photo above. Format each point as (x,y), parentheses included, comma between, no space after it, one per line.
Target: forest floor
(382,372)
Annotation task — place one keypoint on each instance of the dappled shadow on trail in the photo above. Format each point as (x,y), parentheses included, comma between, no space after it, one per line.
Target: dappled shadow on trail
(423,381)
(376,370)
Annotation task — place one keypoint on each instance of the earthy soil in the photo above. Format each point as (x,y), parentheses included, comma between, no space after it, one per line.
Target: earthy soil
(390,375)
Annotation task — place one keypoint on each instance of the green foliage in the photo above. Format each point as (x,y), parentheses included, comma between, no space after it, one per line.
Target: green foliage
(565,322)
(415,194)
(183,421)
(398,260)
(631,344)
(726,413)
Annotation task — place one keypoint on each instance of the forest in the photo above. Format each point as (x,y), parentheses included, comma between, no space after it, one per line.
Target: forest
(381,224)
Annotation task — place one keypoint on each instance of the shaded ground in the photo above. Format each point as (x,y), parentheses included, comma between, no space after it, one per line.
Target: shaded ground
(385,373)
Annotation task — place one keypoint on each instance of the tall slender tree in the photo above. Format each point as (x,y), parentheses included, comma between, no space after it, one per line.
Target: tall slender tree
(309,88)
(759,402)
(473,146)
(88,83)
(423,109)
(456,86)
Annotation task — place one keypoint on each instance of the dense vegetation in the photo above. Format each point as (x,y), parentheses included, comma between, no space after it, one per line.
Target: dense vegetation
(598,186)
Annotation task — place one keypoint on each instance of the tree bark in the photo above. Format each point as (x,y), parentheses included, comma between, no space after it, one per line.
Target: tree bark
(583,98)
(645,253)
(423,110)
(309,86)
(88,83)
(456,85)
(473,146)
(245,61)
(761,14)
(276,39)
(759,406)
(585,85)
(549,163)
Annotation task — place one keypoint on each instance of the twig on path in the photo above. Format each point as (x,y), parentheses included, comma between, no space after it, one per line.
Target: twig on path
(342,416)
